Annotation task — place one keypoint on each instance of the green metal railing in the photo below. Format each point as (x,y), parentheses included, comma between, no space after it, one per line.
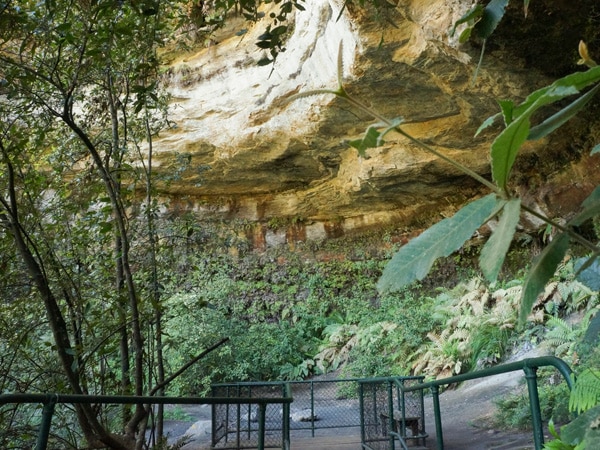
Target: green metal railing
(51,400)
(387,412)
(529,366)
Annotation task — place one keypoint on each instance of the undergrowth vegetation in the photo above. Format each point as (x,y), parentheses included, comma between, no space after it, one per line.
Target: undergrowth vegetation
(296,314)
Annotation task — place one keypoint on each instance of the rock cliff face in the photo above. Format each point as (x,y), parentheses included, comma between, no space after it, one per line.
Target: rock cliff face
(254,157)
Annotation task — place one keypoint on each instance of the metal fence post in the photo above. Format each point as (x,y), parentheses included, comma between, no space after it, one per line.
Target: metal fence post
(312,408)
(390,418)
(262,407)
(287,392)
(47,412)
(439,433)
(534,404)
(361,405)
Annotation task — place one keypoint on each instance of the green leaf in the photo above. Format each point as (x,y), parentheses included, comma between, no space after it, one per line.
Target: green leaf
(494,251)
(465,35)
(507,144)
(595,150)
(591,208)
(487,123)
(264,44)
(394,123)
(525,7)
(370,140)
(471,16)
(507,107)
(577,80)
(584,427)
(588,272)
(586,391)
(414,260)
(593,331)
(281,29)
(543,269)
(105,227)
(505,148)
(558,119)
(264,61)
(490,18)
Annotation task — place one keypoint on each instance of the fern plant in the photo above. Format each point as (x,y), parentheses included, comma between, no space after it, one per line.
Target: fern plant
(583,433)
(586,392)
(562,337)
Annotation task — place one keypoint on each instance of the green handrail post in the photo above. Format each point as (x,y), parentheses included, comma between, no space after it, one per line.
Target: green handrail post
(312,407)
(391,414)
(47,413)
(526,365)
(439,433)
(402,408)
(262,408)
(534,404)
(361,405)
(287,392)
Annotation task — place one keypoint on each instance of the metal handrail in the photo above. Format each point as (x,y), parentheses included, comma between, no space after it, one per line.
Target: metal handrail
(529,366)
(51,400)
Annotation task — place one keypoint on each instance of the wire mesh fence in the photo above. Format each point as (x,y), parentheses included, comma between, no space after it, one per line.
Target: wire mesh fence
(238,426)
(318,406)
(388,412)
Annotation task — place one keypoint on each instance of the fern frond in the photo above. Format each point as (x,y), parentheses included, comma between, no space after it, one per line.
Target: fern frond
(510,295)
(586,392)
(550,293)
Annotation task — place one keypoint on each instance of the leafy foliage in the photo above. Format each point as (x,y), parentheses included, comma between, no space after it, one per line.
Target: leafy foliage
(586,393)
(514,410)
(414,260)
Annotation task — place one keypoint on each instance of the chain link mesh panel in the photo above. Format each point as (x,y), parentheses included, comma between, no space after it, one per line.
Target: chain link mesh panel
(237,426)
(387,410)
(375,401)
(324,404)
(320,405)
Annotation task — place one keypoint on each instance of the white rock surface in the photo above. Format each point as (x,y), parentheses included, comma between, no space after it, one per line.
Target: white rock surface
(200,429)
(235,93)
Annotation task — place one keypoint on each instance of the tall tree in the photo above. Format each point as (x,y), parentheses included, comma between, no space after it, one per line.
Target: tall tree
(77,77)
(80,103)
